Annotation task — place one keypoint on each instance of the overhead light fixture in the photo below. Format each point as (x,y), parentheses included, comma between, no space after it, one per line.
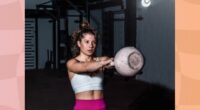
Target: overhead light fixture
(145,3)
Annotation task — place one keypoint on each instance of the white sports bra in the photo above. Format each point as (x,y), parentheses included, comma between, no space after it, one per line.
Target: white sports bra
(85,82)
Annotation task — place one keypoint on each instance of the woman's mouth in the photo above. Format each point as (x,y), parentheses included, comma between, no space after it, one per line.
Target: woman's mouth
(90,51)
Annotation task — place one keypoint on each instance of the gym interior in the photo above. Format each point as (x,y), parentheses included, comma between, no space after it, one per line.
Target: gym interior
(147,25)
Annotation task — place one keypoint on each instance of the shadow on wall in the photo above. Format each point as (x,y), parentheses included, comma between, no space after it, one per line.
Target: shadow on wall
(133,94)
(155,98)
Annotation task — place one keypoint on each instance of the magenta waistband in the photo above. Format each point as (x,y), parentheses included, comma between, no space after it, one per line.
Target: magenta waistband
(91,104)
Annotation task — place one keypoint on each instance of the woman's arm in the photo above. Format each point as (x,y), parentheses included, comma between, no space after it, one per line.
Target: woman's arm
(77,67)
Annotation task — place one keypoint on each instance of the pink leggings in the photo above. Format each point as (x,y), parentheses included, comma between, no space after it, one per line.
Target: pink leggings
(97,104)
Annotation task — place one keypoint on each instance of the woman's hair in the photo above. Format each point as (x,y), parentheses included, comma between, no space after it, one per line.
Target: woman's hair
(78,35)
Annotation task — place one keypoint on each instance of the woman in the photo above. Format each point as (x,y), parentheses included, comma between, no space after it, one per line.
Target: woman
(86,71)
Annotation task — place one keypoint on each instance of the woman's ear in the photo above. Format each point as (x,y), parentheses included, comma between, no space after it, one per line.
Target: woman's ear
(79,43)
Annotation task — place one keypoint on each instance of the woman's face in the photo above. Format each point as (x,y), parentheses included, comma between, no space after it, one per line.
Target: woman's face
(87,44)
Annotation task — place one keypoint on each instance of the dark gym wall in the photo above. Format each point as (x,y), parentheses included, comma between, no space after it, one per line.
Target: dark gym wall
(130,23)
(155,38)
(44,35)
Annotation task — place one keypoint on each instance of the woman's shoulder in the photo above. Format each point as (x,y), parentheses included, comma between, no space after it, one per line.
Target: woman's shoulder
(70,61)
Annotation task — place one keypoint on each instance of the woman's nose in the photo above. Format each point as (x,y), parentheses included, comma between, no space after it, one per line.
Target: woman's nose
(91,45)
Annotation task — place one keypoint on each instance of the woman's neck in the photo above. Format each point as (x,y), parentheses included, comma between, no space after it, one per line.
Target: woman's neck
(84,58)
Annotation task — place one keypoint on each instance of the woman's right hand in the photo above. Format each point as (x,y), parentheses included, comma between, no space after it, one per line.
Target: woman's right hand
(107,63)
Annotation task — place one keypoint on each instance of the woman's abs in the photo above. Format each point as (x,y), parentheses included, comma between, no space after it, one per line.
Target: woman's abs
(88,95)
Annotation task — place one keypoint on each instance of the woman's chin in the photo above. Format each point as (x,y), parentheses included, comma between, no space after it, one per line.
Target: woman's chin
(89,53)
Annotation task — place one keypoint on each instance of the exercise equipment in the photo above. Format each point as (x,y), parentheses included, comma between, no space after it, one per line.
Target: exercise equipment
(128,61)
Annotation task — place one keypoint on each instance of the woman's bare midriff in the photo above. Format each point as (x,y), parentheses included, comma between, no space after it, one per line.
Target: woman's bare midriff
(90,95)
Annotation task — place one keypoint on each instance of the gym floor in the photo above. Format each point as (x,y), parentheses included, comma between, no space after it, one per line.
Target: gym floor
(51,90)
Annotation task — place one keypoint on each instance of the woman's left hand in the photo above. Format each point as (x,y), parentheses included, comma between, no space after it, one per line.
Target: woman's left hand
(110,65)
